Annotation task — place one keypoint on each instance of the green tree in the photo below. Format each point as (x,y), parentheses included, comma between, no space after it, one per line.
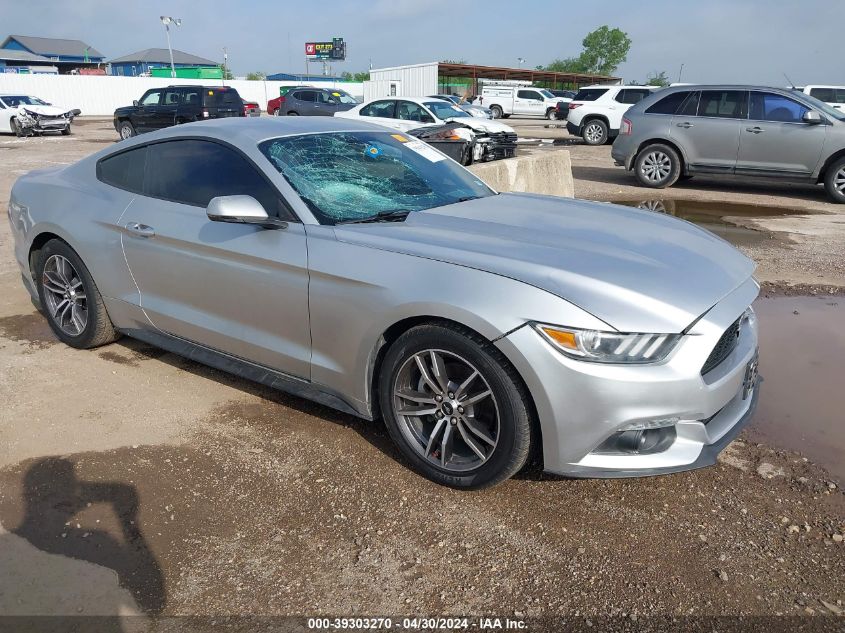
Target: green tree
(256,76)
(364,76)
(603,51)
(227,74)
(657,79)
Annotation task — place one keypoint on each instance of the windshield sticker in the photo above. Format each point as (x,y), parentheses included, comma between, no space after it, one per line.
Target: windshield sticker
(424,150)
(399,138)
(372,151)
(335,94)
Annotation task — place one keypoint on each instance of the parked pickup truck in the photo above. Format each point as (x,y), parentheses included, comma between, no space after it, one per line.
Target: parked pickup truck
(504,101)
(162,107)
(834,96)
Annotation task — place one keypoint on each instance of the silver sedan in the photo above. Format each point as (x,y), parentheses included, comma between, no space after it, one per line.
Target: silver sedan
(359,267)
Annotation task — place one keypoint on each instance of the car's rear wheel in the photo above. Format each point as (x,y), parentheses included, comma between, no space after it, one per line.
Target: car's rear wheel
(454,407)
(834,181)
(496,111)
(75,310)
(126,130)
(595,132)
(657,166)
(551,114)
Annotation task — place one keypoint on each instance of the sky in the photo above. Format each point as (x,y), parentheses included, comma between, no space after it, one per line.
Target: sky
(717,41)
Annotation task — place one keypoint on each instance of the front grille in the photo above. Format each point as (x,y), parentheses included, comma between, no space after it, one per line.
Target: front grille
(723,348)
(501,145)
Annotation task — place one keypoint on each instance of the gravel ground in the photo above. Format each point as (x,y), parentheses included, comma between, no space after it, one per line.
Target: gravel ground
(136,482)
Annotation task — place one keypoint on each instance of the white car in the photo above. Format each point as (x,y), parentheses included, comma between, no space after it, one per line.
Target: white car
(595,114)
(23,115)
(504,101)
(834,96)
(493,139)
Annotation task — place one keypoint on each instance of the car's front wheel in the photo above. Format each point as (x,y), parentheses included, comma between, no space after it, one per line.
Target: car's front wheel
(834,181)
(455,408)
(126,130)
(16,127)
(75,310)
(657,166)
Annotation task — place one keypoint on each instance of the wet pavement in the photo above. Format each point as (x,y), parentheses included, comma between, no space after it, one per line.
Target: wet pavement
(802,361)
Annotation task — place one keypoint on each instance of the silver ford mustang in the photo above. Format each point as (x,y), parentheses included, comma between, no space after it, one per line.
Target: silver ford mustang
(360,268)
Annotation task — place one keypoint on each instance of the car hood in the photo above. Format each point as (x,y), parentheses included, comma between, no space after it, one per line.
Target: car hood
(44,110)
(482,125)
(638,271)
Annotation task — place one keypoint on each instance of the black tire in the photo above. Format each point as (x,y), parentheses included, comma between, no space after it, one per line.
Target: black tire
(657,166)
(126,130)
(66,130)
(834,181)
(291,113)
(595,132)
(16,127)
(496,111)
(98,329)
(509,399)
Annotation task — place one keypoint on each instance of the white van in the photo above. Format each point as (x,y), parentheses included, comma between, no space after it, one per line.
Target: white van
(834,96)
(504,101)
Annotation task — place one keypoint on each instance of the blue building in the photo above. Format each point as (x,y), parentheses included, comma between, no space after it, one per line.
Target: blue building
(66,55)
(141,62)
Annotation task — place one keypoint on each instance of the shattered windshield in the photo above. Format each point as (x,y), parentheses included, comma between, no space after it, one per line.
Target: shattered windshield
(17,101)
(445,110)
(345,176)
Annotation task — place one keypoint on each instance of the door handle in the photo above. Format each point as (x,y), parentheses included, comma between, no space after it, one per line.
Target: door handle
(686,125)
(140,230)
(754,130)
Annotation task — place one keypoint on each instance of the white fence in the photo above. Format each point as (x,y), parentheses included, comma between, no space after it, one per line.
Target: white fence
(100,95)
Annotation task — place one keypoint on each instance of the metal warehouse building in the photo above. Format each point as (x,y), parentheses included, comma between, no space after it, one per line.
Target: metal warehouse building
(436,77)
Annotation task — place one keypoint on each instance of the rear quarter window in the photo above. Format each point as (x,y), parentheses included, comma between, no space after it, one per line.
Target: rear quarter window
(217,98)
(124,170)
(590,94)
(668,104)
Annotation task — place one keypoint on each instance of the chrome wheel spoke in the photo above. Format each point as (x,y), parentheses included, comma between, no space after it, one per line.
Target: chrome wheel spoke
(415,396)
(466,383)
(446,445)
(476,398)
(428,409)
(439,368)
(60,307)
(426,375)
(76,318)
(474,446)
(435,433)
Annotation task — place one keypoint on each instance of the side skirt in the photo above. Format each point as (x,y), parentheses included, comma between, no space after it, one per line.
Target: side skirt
(246,369)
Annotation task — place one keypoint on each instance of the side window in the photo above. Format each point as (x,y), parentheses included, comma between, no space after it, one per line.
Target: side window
(192,97)
(767,106)
(725,104)
(690,106)
(410,111)
(151,98)
(828,95)
(635,95)
(306,95)
(172,97)
(124,170)
(382,109)
(323,97)
(529,94)
(193,172)
(668,104)
(589,94)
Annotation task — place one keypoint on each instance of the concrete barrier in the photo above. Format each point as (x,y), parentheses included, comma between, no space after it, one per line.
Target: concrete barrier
(544,172)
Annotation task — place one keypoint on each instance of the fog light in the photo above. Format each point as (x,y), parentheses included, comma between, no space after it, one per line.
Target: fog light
(657,423)
(642,442)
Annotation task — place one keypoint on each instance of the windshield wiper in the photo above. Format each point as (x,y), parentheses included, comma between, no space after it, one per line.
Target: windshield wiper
(396,215)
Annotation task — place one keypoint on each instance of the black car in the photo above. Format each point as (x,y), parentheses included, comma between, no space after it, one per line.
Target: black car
(162,107)
(566,94)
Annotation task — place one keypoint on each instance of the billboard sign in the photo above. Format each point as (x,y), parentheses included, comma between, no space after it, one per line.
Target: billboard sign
(336,49)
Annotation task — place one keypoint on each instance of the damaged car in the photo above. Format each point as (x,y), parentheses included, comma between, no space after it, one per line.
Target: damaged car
(492,139)
(23,115)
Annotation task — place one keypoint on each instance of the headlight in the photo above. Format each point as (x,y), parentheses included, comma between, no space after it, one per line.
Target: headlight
(609,347)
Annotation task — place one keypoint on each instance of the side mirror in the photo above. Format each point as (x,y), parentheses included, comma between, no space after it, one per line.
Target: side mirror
(135,103)
(812,117)
(241,210)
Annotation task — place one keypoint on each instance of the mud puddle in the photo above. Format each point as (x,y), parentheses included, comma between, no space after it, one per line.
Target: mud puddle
(712,216)
(802,361)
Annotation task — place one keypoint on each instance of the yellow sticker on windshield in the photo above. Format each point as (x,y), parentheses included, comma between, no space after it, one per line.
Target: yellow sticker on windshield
(335,94)
(399,138)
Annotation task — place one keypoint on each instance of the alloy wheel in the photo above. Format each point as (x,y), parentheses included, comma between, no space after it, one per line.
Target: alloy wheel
(594,133)
(656,166)
(839,181)
(65,295)
(125,132)
(446,410)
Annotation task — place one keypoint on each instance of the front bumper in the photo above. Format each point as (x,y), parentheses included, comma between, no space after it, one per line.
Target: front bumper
(582,405)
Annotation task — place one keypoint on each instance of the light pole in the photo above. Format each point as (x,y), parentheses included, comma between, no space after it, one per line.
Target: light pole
(680,73)
(167,21)
(521,61)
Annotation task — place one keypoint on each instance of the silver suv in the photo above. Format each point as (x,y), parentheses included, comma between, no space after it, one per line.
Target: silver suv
(735,130)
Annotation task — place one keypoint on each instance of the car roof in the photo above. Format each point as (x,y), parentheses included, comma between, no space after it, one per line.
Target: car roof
(253,130)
